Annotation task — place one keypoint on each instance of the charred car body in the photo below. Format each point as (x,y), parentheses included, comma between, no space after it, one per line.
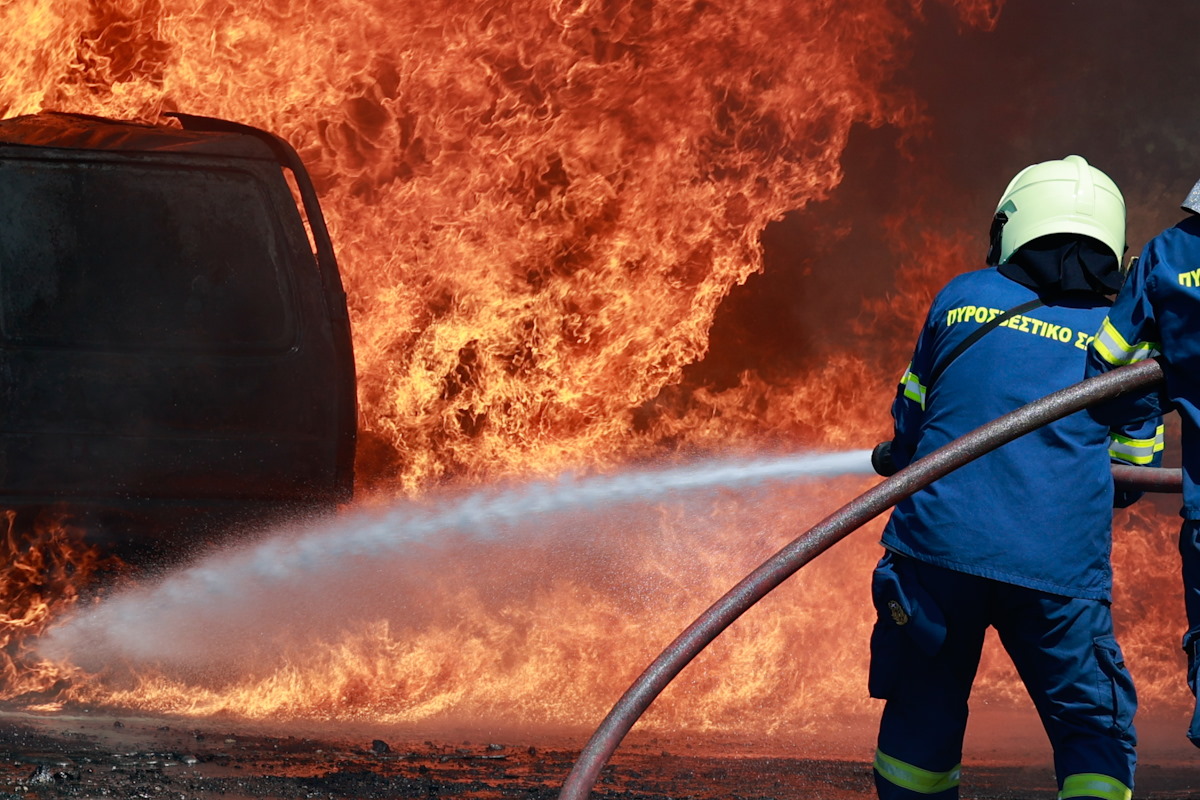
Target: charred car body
(173,336)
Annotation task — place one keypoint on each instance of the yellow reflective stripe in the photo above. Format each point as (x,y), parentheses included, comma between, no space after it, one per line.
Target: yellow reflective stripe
(915,779)
(1113,348)
(1090,784)
(913,389)
(1136,451)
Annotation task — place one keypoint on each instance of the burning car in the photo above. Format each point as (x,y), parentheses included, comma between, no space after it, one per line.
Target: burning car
(174,339)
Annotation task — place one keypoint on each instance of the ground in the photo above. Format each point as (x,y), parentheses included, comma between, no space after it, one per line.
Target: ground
(94,755)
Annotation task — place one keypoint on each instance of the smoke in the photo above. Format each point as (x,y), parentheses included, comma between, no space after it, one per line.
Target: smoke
(1107,80)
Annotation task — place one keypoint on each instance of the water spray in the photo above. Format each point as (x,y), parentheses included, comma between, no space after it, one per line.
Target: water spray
(173,621)
(836,527)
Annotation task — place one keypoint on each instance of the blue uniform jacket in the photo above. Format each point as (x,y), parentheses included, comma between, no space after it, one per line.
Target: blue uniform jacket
(1158,311)
(1038,511)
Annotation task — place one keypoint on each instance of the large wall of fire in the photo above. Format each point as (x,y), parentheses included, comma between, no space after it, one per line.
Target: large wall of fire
(577,234)
(538,206)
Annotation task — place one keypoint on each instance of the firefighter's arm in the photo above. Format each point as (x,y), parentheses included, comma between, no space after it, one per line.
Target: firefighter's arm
(891,456)
(1128,334)
(908,410)
(884,456)
(1139,444)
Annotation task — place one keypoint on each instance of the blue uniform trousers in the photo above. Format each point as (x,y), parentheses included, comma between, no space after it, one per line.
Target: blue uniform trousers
(1189,551)
(925,651)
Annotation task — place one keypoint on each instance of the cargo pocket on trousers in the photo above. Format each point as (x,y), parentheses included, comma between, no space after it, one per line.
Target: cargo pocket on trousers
(887,653)
(908,625)
(1116,685)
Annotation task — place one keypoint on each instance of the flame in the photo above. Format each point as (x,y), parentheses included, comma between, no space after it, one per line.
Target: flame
(535,627)
(538,208)
(47,564)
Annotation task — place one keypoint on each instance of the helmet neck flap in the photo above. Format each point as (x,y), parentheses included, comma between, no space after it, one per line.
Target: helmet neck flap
(1064,263)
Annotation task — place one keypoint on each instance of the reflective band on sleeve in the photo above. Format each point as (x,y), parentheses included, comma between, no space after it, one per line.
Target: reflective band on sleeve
(1089,784)
(1113,348)
(915,779)
(1135,451)
(913,389)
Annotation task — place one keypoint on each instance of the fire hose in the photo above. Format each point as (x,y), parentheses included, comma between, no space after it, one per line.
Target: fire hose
(840,524)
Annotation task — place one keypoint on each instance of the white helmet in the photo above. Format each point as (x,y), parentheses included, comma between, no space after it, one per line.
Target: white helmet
(1067,196)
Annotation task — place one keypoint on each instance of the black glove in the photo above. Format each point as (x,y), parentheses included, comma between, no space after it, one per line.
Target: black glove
(881,460)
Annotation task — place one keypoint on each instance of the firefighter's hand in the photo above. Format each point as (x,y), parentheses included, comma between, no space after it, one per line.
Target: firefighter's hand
(881,460)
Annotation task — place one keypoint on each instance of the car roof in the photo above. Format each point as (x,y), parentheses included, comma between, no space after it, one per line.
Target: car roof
(84,132)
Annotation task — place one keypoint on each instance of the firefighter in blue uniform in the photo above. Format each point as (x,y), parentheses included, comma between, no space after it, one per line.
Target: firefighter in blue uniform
(1158,313)
(1019,539)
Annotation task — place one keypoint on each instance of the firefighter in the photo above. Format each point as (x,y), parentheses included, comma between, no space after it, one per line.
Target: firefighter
(1019,539)
(1158,313)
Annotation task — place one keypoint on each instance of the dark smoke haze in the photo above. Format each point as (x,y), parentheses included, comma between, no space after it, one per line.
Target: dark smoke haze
(1107,80)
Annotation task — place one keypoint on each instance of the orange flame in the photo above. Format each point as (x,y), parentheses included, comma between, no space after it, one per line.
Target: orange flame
(538,208)
(534,627)
(46,565)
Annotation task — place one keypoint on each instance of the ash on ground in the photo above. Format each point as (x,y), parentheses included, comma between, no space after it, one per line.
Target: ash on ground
(93,756)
